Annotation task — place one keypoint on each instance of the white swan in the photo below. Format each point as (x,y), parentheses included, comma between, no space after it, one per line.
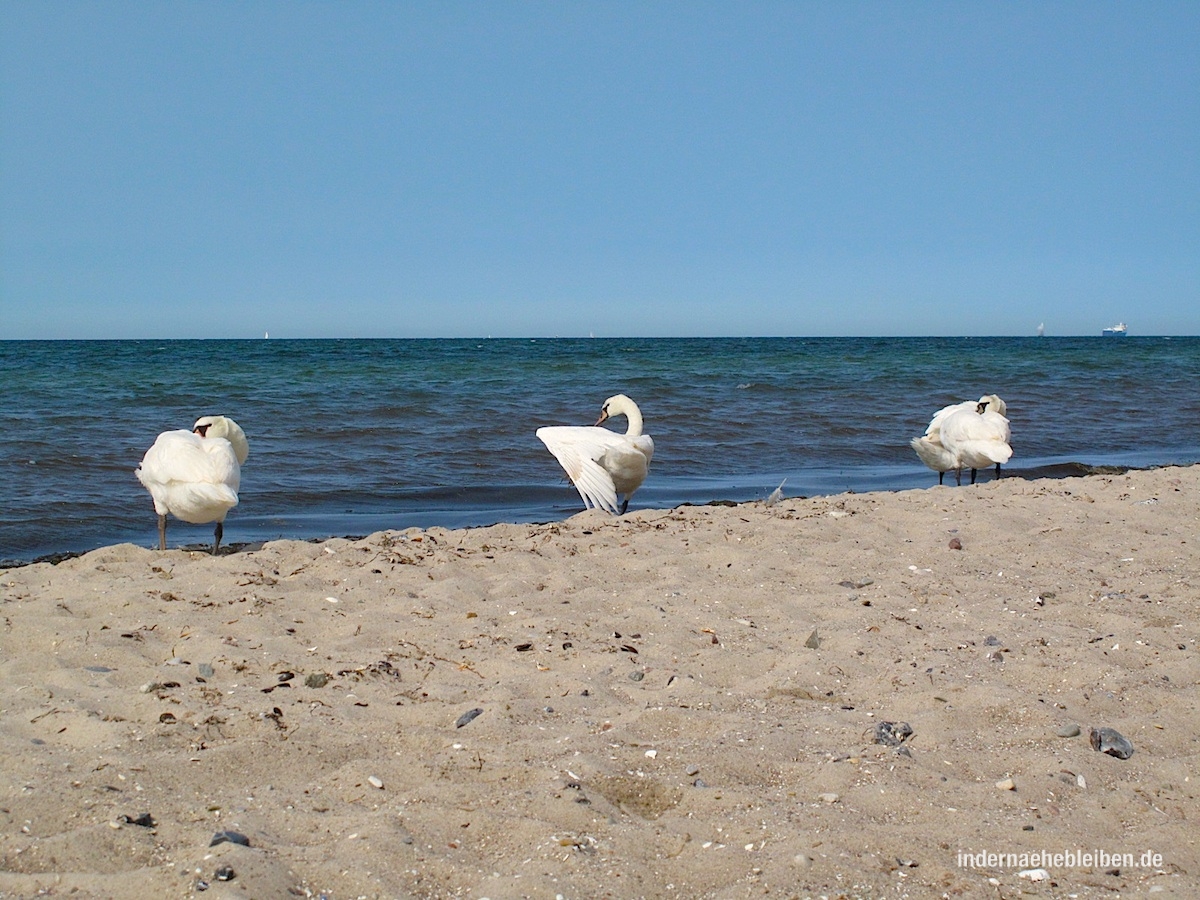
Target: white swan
(603,463)
(195,475)
(978,438)
(932,450)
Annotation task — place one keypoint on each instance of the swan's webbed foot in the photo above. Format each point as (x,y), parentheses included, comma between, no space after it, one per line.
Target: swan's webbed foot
(624,505)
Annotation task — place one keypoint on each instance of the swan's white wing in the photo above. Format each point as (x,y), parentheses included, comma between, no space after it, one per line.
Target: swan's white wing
(223,460)
(983,454)
(193,478)
(977,441)
(1000,423)
(199,502)
(627,461)
(646,444)
(187,457)
(174,456)
(944,413)
(578,449)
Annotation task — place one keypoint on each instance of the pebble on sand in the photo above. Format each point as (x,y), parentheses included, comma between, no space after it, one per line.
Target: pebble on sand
(892,734)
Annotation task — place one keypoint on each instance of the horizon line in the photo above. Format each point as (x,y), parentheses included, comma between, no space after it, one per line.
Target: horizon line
(617,337)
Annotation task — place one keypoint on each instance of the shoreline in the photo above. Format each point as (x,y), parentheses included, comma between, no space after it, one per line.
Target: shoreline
(838,695)
(1057,471)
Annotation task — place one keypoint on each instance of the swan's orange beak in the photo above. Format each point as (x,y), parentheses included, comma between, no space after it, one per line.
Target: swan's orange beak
(603,416)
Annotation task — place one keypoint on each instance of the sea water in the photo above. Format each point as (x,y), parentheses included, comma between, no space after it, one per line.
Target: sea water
(348,437)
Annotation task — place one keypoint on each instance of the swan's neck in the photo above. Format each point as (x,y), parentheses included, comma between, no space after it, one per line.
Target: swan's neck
(634,415)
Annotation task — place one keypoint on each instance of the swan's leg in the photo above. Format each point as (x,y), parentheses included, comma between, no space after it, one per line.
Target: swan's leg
(958,477)
(217,532)
(997,470)
(973,471)
(624,505)
(162,532)
(940,476)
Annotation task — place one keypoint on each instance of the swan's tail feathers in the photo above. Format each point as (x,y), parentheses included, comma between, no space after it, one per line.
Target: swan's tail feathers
(933,454)
(200,503)
(997,452)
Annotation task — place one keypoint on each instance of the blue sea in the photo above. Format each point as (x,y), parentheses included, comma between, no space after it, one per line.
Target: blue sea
(348,437)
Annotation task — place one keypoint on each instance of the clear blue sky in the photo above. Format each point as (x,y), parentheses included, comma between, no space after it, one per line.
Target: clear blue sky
(396,169)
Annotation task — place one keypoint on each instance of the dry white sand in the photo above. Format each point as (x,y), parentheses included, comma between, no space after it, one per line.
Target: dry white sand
(676,703)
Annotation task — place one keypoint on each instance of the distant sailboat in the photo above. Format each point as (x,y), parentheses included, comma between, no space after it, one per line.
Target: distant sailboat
(266,335)
(1042,330)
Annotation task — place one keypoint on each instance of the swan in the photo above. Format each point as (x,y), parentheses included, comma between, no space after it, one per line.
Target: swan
(929,446)
(602,463)
(977,438)
(194,475)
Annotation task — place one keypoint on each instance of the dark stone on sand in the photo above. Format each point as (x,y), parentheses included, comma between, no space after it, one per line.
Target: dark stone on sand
(467,717)
(1112,742)
(229,837)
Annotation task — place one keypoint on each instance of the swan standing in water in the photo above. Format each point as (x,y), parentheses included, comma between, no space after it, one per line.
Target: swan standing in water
(194,475)
(930,447)
(977,438)
(602,463)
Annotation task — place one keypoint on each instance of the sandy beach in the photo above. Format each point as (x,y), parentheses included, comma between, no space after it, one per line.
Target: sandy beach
(839,696)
